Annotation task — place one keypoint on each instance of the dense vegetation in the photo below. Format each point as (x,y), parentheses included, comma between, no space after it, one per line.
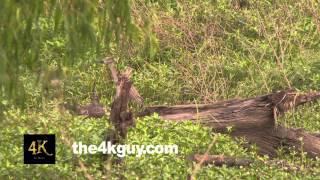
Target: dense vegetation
(181,52)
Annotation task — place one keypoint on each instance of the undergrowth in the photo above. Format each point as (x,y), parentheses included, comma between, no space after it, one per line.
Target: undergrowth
(191,52)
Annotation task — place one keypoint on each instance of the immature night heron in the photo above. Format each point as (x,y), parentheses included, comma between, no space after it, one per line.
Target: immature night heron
(94,109)
(133,92)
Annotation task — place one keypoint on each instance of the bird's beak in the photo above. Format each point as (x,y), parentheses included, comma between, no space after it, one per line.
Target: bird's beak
(106,60)
(100,62)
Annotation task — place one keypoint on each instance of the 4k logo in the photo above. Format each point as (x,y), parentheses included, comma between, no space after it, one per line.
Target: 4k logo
(39,149)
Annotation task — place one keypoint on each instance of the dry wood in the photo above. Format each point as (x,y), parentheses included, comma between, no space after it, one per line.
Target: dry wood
(253,118)
(220,160)
(120,115)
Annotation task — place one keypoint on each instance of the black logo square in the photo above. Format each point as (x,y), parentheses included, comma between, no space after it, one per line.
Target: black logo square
(39,149)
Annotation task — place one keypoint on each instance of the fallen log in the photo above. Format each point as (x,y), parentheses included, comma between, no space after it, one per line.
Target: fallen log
(252,118)
(220,160)
(240,114)
(269,139)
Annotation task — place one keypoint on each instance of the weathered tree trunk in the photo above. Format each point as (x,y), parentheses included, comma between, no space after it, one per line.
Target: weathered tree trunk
(220,160)
(240,114)
(120,116)
(253,118)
